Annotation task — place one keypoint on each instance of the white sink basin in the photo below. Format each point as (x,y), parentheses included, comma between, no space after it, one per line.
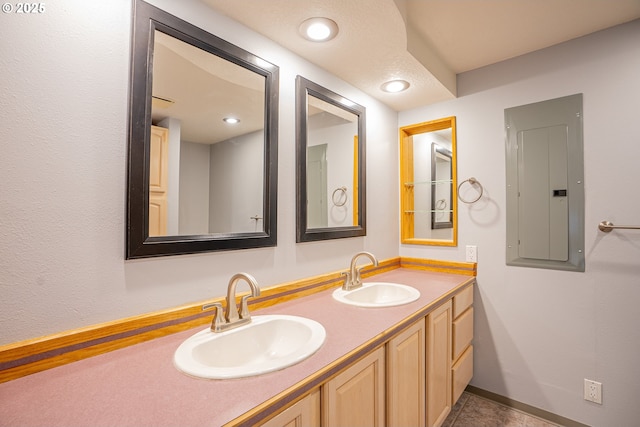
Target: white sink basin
(268,343)
(378,294)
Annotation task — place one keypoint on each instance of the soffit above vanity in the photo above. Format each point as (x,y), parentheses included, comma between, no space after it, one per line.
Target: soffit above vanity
(426,42)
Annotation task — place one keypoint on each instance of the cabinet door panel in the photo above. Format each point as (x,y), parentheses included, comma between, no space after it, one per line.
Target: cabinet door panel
(304,413)
(355,398)
(406,377)
(439,364)
(461,373)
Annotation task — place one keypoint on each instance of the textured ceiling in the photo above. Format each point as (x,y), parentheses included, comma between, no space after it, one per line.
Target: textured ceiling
(426,42)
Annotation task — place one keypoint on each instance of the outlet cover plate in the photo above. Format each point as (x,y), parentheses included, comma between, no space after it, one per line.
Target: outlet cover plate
(593,391)
(471,253)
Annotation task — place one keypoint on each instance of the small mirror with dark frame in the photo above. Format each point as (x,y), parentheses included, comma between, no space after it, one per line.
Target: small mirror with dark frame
(330,164)
(196,181)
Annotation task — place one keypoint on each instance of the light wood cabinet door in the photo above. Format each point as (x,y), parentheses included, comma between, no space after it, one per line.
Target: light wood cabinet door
(356,397)
(406,377)
(304,413)
(439,364)
(158,176)
(461,373)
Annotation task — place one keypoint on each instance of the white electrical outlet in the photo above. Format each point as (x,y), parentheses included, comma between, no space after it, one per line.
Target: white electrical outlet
(472,253)
(593,391)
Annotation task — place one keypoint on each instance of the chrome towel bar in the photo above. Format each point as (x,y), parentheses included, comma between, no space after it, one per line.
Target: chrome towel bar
(607,226)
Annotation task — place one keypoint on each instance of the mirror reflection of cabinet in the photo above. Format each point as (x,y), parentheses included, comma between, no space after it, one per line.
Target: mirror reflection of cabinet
(330,170)
(428,184)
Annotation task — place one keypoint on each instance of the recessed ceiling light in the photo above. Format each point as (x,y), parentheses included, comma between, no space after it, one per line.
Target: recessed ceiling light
(231,120)
(394,86)
(318,29)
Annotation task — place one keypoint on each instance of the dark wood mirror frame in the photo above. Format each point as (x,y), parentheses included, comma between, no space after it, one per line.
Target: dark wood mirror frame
(147,19)
(304,88)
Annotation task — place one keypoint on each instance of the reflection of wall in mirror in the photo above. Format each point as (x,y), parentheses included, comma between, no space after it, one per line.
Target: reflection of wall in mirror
(194,188)
(237,175)
(339,140)
(422,191)
(443,191)
(221,186)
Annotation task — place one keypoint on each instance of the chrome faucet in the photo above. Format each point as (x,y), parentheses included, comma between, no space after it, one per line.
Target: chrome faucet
(352,277)
(233,319)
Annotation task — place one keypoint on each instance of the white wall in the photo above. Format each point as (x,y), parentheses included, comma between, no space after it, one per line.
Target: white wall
(539,332)
(195,172)
(63,163)
(236,186)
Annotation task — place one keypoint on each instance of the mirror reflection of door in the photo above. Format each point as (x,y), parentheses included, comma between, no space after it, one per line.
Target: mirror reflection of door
(215,169)
(332,169)
(158,173)
(317,186)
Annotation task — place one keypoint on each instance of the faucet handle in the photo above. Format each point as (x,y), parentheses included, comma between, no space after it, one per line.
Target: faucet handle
(218,319)
(244,309)
(347,280)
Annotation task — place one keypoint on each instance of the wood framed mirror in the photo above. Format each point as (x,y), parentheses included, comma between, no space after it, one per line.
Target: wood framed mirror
(330,164)
(428,183)
(197,183)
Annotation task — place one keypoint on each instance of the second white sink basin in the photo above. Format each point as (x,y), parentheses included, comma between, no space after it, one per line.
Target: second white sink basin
(268,343)
(378,294)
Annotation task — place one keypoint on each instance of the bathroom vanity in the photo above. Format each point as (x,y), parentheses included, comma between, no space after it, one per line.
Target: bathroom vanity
(401,365)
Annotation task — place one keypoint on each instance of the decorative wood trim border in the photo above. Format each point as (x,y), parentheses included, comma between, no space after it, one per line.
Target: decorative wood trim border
(30,356)
(451,267)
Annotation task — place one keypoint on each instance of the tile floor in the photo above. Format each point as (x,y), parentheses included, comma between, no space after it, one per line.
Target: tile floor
(475,411)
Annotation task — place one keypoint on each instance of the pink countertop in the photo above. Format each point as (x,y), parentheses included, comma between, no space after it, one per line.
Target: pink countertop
(139,386)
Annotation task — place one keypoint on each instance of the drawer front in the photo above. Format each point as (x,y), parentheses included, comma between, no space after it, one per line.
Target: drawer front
(462,301)
(461,373)
(462,332)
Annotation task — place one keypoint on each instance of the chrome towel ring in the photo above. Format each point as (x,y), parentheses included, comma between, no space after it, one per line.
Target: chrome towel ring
(473,182)
(339,194)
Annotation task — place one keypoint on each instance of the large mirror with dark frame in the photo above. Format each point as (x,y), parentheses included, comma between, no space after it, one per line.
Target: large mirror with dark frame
(330,164)
(202,141)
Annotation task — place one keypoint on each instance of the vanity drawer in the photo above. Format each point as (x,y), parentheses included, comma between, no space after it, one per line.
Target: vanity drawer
(462,301)
(461,373)
(462,332)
